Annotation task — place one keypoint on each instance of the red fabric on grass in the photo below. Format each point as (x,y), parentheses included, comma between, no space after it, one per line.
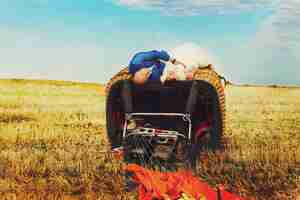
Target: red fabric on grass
(171,185)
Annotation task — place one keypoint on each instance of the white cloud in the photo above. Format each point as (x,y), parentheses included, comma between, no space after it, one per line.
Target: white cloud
(192,55)
(26,54)
(194,7)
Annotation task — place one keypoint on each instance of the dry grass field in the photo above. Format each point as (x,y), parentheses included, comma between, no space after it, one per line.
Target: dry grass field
(53,143)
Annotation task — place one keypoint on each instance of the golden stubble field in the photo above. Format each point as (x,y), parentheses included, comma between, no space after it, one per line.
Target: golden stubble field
(53,143)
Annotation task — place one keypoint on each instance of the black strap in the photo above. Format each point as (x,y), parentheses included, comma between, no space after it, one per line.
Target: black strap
(192,99)
(127,96)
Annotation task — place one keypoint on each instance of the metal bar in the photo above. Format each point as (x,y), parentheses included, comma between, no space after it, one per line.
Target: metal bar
(158,135)
(152,131)
(190,127)
(125,128)
(159,114)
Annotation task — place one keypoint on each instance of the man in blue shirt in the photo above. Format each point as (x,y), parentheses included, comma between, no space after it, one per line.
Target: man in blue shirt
(149,65)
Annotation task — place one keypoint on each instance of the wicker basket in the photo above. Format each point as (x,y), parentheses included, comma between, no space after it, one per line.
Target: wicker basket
(207,74)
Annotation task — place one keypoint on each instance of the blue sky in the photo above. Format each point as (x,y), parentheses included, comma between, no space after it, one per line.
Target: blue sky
(251,41)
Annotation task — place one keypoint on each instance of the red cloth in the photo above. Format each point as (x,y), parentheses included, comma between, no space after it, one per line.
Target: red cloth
(171,185)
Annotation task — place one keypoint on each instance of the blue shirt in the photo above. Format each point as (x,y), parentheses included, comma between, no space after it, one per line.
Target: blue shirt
(148,59)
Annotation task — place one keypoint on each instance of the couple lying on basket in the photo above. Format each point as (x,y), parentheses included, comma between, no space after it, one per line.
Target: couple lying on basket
(150,65)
